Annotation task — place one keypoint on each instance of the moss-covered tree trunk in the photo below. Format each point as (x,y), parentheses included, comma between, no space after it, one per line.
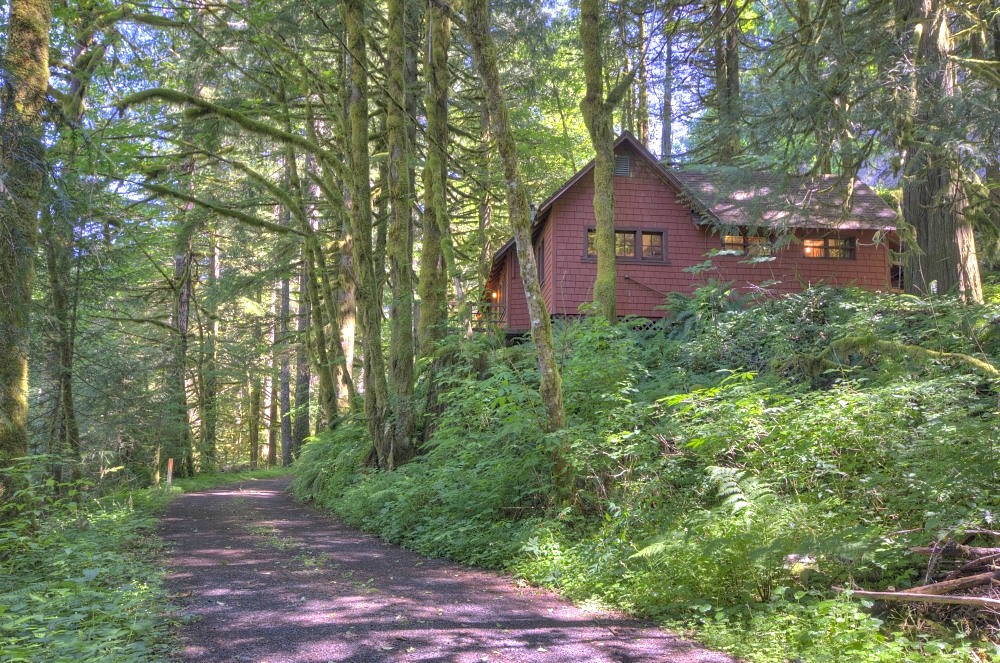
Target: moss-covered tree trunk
(934,198)
(303,376)
(376,393)
(400,240)
(484,51)
(210,362)
(22,159)
(58,241)
(254,421)
(597,115)
(285,378)
(433,283)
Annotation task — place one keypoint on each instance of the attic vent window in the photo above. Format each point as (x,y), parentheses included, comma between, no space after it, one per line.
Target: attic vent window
(623,166)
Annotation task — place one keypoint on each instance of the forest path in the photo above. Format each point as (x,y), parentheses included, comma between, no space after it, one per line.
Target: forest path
(259,577)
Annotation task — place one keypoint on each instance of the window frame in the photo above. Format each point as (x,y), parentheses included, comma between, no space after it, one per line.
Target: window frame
(746,244)
(831,244)
(540,260)
(638,256)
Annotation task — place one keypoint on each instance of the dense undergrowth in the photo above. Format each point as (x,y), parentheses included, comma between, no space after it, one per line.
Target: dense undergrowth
(731,466)
(79,579)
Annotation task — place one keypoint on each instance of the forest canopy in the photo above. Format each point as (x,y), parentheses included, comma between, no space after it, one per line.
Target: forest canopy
(230,228)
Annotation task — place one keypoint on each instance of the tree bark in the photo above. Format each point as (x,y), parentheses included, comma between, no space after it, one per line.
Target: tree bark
(22,158)
(484,51)
(300,424)
(667,115)
(254,421)
(210,366)
(285,382)
(934,199)
(376,393)
(433,281)
(400,242)
(597,115)
(727,80)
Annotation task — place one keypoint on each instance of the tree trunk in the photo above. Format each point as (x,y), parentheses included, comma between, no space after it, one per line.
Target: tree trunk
(22,159)
(934,200)
(58,238)
(597,116)
(484,51)
(284,387)
(667,115)
(376,393)
(180,448)
(271,399)
(300,424)
(727,80)
(642,84)
(433,281)
(400,242)
(210,377)
(254,421)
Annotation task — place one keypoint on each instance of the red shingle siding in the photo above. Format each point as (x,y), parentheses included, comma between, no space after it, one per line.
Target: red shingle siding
(645,202)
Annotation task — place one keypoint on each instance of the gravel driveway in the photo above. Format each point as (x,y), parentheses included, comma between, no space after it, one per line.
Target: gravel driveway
(259,577)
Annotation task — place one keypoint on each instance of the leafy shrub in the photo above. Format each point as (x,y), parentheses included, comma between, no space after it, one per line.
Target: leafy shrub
(77,582)
(730,465)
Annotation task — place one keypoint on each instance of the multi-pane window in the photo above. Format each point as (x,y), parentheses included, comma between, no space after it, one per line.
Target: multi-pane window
(748,244)
(733,243)
(652,246)
(632,244)
(625,244)
(829,247)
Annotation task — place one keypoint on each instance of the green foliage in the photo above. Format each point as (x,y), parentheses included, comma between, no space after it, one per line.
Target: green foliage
(724,476)
(77,578)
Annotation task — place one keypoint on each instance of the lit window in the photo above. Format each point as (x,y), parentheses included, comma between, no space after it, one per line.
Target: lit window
(752,245)
(732,243)
(652,245)
(829,247)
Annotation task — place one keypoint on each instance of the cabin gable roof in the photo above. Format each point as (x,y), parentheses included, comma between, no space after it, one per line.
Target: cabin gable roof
(734,197)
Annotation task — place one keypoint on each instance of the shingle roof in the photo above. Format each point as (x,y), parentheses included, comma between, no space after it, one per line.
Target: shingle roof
(749,198)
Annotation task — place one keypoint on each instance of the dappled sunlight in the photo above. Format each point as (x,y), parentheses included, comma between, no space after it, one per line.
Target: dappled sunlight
(274,581)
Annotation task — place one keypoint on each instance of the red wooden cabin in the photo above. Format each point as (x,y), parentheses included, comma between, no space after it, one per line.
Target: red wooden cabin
(782,234)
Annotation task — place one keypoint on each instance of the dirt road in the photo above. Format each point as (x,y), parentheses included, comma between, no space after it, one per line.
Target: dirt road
(261,578)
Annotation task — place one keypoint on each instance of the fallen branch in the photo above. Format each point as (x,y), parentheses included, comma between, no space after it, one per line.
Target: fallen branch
(969,566)
(956,585)
(974,601)
(956,551)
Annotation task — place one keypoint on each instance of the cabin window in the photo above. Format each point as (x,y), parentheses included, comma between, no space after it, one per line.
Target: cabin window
(829,247)
(748,244)
(652,246)
(733,243)
(631,244)
(623,166)
(624,244)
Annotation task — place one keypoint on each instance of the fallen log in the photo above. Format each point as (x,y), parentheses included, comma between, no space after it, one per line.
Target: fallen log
(970,566)
(955,585)
(954,550)
(974,601)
